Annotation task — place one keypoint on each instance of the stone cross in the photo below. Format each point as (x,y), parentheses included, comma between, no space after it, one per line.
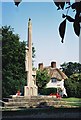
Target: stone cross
(31,88)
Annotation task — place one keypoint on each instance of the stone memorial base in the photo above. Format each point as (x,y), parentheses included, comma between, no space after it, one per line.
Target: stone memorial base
(30,91)
(29,101)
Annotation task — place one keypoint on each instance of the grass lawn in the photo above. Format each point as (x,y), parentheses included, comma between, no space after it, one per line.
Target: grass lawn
(72,99)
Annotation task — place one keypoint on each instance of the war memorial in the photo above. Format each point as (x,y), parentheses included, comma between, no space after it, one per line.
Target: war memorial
(33,104)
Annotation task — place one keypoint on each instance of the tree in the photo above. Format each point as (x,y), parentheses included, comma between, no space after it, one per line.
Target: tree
(76,6)
(73,85)
(71,68)
(13,67)
(13,62)
(42,78)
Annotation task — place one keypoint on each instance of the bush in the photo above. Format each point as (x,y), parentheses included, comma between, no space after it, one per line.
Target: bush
(73,88)
(48,91)
(79,90)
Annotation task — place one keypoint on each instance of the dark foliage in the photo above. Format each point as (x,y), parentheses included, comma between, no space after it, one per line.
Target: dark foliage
(13,67)
(48,91)
(71,68)
(17,2)
(42,78)
(76,26)
(73,87)
(76,6)
(62,28)
(14,77)
(73,83)
(60,5)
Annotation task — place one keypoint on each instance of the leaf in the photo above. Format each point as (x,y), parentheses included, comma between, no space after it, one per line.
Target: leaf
(76,26)
(57,4)
(70,19)
(68,2)
(17,2)
(63,16)
(60,5)
(62,28)
(76,6)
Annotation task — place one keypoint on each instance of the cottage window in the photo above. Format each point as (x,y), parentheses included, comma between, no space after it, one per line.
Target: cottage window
(53,80)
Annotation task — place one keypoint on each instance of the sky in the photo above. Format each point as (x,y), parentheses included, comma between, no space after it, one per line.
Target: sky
(45,34)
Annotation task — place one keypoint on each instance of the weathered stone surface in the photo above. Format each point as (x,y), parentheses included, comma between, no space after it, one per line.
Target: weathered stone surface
(31,88)
(36,102)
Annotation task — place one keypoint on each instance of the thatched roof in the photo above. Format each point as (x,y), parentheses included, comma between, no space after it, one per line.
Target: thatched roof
(56,73)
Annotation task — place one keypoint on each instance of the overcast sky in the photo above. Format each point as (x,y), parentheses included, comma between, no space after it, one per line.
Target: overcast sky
(45,35)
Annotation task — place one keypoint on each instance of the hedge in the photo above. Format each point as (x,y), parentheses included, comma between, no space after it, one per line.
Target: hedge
(48,91)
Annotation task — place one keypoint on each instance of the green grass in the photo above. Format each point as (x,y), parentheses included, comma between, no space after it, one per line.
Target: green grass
(75,104)
(72,99)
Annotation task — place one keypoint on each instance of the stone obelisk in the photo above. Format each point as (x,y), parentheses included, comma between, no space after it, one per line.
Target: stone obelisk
(31,88)
(29,75)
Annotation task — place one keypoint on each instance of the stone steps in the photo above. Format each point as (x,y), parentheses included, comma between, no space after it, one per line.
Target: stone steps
(40,101)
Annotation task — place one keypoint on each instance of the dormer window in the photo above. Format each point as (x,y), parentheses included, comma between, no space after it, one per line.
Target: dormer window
(53,80)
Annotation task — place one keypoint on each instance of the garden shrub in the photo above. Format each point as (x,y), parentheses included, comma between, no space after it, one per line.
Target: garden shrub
(48,91)
(73,88)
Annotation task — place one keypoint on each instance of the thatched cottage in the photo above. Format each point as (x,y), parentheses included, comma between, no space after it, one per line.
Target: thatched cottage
(57,78)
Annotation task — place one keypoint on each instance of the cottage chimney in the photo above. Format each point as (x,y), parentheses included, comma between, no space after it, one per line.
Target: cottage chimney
(53,64)
(40,66)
